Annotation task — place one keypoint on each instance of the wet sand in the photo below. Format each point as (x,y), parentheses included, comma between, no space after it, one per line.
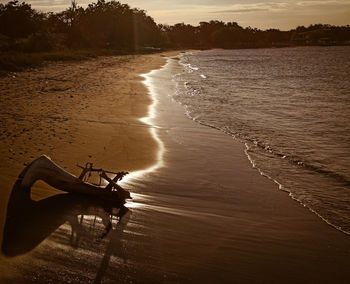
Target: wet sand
(215,219)
(202,215)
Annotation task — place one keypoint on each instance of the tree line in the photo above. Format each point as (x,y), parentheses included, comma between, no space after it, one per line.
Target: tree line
(113,25)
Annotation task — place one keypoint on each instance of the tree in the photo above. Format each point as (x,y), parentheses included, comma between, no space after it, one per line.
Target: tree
(19,19)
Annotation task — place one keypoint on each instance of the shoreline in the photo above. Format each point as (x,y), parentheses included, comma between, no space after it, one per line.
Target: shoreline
(290,194)
(267,225)
(263,174)
(14,62)
(149,120)
(205,215)
(332,217)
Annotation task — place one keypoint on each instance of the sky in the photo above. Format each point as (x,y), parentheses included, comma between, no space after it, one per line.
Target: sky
(281,14)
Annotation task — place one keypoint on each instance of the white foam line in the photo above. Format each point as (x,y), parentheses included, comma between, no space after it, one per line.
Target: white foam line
(150,121)
(290,194)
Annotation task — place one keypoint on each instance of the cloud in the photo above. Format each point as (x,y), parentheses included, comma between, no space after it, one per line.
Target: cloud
(323,3)
(241,10)
(254,7)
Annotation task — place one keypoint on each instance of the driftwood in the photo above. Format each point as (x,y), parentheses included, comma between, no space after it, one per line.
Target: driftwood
(43,168)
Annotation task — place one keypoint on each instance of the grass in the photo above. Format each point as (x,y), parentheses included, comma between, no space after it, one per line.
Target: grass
(16,61)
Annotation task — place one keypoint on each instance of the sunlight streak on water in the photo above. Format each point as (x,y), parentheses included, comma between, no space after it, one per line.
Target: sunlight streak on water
(162,208)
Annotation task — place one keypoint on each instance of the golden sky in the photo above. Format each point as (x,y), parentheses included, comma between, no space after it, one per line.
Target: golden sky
(282,14)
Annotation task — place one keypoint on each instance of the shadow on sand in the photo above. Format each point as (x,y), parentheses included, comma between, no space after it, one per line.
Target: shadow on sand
(29,222)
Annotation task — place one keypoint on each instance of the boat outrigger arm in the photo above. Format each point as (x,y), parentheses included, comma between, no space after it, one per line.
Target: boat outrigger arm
(43,168)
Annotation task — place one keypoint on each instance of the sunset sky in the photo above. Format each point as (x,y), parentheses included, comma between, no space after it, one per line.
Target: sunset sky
(282,14)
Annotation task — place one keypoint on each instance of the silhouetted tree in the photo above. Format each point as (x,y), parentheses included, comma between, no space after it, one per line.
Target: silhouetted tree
(111,24)
(19,19)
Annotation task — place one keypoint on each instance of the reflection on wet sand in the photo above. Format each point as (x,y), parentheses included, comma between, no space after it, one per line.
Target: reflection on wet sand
(91,222)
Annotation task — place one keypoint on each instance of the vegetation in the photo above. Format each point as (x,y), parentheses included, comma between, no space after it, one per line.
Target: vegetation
(28,37)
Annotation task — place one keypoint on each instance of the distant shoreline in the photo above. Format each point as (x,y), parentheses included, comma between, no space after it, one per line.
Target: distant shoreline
(29,37)
(22,61)
(11,62)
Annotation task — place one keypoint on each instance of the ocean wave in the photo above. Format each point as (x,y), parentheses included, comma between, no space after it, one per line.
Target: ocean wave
(300,162)
(284,118)
(280,184)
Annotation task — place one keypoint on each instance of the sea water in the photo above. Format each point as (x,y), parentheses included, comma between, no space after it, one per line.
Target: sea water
(291,108)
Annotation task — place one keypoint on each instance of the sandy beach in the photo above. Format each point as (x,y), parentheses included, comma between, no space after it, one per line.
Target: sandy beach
(202,215)
(76,113)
